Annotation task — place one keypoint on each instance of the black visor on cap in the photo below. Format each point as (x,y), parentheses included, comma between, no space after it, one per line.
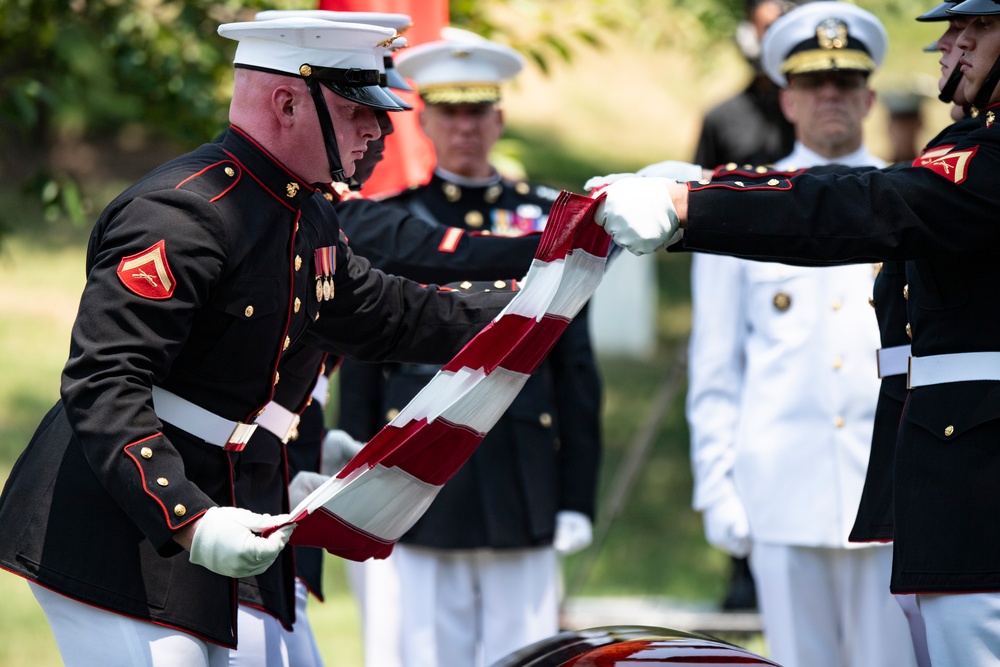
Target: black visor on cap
(370,96)
(975,8)
(403,104)
(395,79)
(938,13)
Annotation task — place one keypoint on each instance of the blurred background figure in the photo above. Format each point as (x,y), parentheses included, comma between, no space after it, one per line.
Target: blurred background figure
(783,382)
(478,574)
(747,129)
(904,121)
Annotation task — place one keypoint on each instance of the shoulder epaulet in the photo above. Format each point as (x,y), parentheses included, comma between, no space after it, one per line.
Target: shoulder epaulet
(474,286)
(214,181)
(747,169)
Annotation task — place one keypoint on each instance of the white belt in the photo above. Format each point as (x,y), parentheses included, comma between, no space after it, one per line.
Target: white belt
(199,422)
(893,360)
(962,367)
(278,420)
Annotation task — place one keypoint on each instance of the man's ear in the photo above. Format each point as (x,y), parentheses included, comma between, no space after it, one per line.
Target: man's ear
(787,105)
(872,96)
(422,120)
(283,104)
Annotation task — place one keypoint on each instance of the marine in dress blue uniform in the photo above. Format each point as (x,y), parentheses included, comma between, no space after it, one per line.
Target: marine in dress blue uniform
(292,437)
(937,217)
(194,291)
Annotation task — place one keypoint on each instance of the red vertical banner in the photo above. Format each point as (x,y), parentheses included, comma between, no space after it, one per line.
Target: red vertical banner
(409,155)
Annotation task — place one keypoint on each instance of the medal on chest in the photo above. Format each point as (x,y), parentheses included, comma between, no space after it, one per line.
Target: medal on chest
(326,267)
(525,219)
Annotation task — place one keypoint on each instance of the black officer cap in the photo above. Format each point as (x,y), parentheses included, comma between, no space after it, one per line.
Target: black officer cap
(975,8)
(938,12)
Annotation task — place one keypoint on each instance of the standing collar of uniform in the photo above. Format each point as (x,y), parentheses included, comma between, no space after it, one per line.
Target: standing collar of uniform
(264,168)
(802,156)
(464,182)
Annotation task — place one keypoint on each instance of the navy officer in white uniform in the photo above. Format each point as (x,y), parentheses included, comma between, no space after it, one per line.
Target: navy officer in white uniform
(783,382)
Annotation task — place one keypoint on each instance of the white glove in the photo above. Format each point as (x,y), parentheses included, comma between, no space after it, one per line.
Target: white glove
(338,449)
(573,532)
(727,527)
(680,171)
(600,181)
(639,214)
(226,541)
(303,484)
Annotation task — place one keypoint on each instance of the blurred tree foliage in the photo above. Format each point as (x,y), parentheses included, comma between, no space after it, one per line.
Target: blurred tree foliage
(554,29)
(94,66)
(131,73)
(128,71)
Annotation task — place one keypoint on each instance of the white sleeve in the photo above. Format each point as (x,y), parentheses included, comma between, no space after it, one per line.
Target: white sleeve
(716,367)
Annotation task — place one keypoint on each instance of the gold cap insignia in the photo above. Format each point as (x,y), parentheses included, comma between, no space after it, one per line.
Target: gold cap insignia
(305,70)
(831,34)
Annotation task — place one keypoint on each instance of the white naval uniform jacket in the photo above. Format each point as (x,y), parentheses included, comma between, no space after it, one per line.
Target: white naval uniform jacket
(783,387)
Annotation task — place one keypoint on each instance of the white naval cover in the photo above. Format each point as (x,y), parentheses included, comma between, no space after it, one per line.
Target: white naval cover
(781,398)
(381,492)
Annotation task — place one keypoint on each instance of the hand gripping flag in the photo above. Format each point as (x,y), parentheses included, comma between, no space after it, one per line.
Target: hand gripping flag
(381,492)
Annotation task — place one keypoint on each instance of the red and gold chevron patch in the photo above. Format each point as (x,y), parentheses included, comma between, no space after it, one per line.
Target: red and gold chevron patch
(931,154)
(147,273)
(952,165)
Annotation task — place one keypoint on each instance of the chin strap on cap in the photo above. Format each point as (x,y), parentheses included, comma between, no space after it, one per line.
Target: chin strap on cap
(947,93)
(329,136)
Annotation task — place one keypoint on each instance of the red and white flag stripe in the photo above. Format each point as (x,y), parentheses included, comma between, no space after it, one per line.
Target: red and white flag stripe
(380,494)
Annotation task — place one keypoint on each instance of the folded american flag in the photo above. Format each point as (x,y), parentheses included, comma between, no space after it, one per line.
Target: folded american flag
(380,494)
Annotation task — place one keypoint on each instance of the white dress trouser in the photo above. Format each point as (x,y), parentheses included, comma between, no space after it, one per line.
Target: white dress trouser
(473,607)
(376,588)
(963,629)
(830,607)
(918,630)
(261,640)
(88,636)
(301,642)
(264,641)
